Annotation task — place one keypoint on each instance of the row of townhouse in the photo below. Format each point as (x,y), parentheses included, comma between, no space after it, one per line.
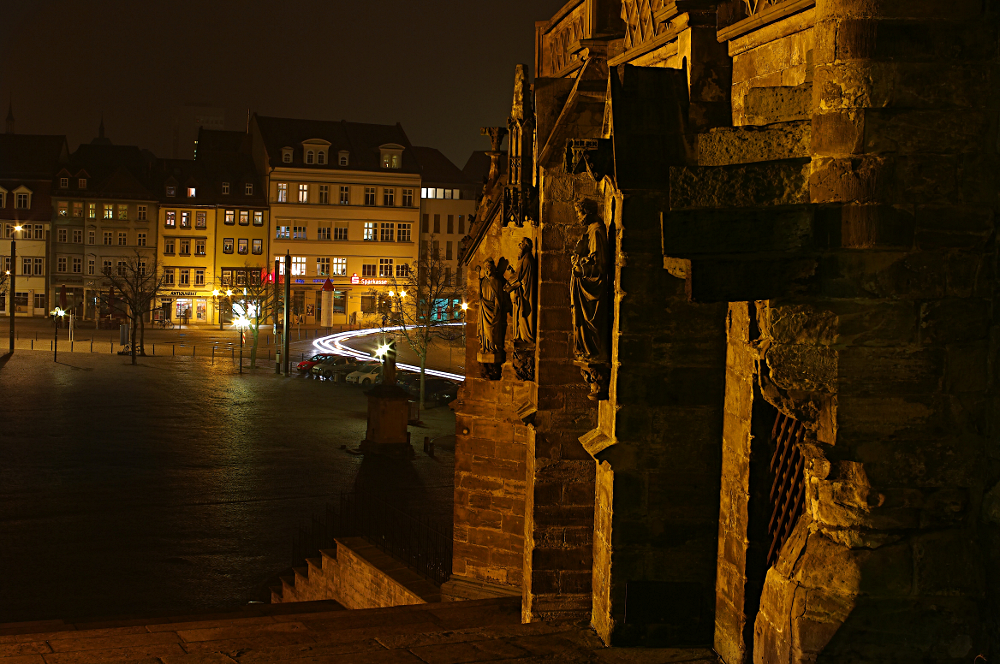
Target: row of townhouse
(351,203)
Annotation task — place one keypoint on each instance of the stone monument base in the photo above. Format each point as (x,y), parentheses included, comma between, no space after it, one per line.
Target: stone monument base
(388,418)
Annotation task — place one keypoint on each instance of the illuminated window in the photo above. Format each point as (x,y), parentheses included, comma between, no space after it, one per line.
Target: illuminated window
(109,211)
(171,190)
(369,270)
(388,197)
(323,267)
(141,213)
(63,208)
(339,267)
(303,193)
(92,210)
(227,245)
(243,246)
(170,219)
(185,220)
(123,212)
(385,267)
(369,195)
(78,210)
(282,192)
(324,194)
(370,231)
(340,232)
(244,217)
(225,187)
(345,195)
(258,218)
(298,266)
(403,233)
(200,219)
(241,278)
(407,198)
(387,231)
(258,247)
(192,192)
(282,232)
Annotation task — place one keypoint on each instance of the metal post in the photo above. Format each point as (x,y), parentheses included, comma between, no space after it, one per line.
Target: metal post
(274,312)
(55,344)
(241,351)
(13,288)
(288,310)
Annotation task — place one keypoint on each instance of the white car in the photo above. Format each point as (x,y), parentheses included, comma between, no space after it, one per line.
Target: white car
(366,374)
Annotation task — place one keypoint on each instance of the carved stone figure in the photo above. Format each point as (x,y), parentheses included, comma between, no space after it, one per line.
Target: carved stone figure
(589,295)
(524,293)
(492,321)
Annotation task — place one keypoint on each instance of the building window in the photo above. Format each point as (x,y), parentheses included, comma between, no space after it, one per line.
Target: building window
(122,239)
(402,271)
(199,277)
(369,270)
(92,210)
(199,247)
(345,195)
(282,232)
(369,195)
(447,250)
(286,156)
(298,266)
(241,278)
(192,192)
(368,303)
(227,245)
(120,268)
(170,219)
(122,212)
(323,233)
(140,213)
(243,246)
(91,237)
(451,224)
(390,160)
(343,157)
(324,194)
(299,233)
(339,267)
(225,187)
(109,211)
(64,183)
(227,276)
(425,224)
(385,267)
(62,235)
(140,239)
(142,268)
(39,231)
(447,276)
(168,277)
(248,189)
(77,265)
(81,183)
(108,238)
(388,197)
(168,246)
(283,192)
(323,267)
(437,223)
(461,224)
(230,217)
(90,266)
(387,231)
(63,207)
(185,220)
(61,264)
(26,266)
(258,218)
(244,217)
(403,233)
(21,201)
(407,198)
(303,193)
(437,249)
(258,247)
(77,236)
(78,210)
(185,249)
(201,220)
(426,193)
(38,267)
(171,190)
(370,231)
(185,279)
(340,233)
(321,157)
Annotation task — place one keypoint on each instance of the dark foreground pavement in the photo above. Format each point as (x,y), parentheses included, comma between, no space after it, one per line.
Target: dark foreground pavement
(174,486)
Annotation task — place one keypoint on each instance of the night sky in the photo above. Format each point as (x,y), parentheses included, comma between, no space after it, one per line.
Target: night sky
(441,68)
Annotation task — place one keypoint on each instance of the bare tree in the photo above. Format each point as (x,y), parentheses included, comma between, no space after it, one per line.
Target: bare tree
(137,280)
(422,301)
(255,298)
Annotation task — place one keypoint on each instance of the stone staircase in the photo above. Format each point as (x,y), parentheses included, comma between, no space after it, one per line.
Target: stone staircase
(319,632)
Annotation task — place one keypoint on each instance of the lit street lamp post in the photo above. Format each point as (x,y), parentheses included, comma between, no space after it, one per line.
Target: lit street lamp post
(13,282)
(57,315)
(241,324)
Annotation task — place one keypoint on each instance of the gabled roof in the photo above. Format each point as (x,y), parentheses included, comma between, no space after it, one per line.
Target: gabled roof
(112,171)
(436,168)
(31,156)
(362,140)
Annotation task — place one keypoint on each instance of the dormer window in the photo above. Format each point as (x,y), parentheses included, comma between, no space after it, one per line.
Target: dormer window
(309,156)
(82,183)
(286,155)
(64,183)
(192,192)
(225,187)
(171,190)
(321,157)
(249,189)
(344,157)
(392,155)
(314,150)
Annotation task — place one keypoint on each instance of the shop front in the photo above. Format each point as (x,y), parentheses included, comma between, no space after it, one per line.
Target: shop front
(185,308)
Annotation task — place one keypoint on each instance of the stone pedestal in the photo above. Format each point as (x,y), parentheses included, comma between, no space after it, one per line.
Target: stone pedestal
(388,417)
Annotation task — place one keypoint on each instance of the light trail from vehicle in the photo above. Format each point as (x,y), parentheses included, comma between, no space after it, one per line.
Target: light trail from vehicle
(334,343)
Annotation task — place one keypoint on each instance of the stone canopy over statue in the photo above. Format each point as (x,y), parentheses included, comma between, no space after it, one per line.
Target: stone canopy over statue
(590,299)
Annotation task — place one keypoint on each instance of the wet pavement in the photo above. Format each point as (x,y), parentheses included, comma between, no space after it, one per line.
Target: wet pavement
(175,486)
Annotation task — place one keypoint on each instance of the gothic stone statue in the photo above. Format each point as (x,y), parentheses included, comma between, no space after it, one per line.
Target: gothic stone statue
(523,290)
(589,295)
(492,316)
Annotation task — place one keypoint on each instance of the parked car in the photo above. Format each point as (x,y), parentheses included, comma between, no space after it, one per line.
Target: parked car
(366,374)
(335,367)
(306,365)
(436,390)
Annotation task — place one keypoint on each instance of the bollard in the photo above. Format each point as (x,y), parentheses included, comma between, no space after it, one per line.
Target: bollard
(112,344)
(302,357)
(91,345)
(213,354)
(427,442)
(154,349)
(193,348)
(232,354)
(173,349)
(32,344)
(71,345)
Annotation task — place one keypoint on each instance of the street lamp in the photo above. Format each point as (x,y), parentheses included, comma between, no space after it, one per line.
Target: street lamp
(13,282)
(241,323)
(57,314)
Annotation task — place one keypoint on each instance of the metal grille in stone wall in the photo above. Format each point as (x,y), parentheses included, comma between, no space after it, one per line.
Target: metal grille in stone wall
(788,486)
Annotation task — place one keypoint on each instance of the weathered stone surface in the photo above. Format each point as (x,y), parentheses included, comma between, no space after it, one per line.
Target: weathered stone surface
(745,145)
(768,105)
(754,185)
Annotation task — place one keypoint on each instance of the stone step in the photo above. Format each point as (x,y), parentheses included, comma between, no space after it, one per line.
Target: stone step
(768,105)
(726,146)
